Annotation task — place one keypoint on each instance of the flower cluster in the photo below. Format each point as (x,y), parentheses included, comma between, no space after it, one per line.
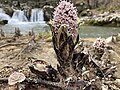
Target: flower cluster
(99,43)
(65,14)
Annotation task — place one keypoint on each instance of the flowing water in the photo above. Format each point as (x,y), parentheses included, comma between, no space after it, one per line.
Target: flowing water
(18,16)
(20,21)
(37,15)
(98,31)
(84,32)
(1,10)
(38,24)
(25,27)
(3,16)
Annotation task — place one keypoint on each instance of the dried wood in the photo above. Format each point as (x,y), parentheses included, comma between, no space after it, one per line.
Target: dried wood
(12,44)
(47,84)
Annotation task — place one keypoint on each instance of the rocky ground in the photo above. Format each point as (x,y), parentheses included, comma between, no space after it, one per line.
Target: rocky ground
(16,55)
(102,19)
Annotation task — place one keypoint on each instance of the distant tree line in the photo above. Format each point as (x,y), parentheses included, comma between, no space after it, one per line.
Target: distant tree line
(96,3)
(25,1)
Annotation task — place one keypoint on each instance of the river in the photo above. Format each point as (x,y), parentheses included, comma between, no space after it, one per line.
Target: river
(98,31)
(85,31)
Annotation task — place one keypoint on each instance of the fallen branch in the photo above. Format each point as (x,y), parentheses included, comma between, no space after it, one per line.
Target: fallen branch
(40,82)
(22,50)
(12,44)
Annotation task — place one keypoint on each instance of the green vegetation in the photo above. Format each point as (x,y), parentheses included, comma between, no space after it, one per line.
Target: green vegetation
(46,35)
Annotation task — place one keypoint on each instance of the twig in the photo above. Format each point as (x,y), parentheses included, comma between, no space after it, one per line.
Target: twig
(21,51)
(11,44)
(40,82)
(90,58)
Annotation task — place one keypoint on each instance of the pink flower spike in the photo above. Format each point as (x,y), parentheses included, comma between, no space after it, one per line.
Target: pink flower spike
(66,14)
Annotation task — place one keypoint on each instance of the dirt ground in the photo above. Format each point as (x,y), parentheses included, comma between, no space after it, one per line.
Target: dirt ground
(15,55)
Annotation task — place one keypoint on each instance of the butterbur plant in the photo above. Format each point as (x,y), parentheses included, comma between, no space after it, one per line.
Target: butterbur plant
(99,43)
(65,14)
(65,36)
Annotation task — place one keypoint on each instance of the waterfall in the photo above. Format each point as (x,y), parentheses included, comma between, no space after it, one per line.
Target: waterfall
(18,16)
(37,15)
(3,16)
(1,10)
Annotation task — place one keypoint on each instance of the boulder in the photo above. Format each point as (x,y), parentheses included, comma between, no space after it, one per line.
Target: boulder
(111,39)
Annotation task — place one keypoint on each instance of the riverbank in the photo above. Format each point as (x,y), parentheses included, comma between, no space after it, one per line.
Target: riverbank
(16,55)
(102,19)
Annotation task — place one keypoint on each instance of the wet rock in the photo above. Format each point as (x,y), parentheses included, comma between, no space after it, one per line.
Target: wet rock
(48,11)
(118,37)
(111,39)
(3,22)
(107,18)
(8,10)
